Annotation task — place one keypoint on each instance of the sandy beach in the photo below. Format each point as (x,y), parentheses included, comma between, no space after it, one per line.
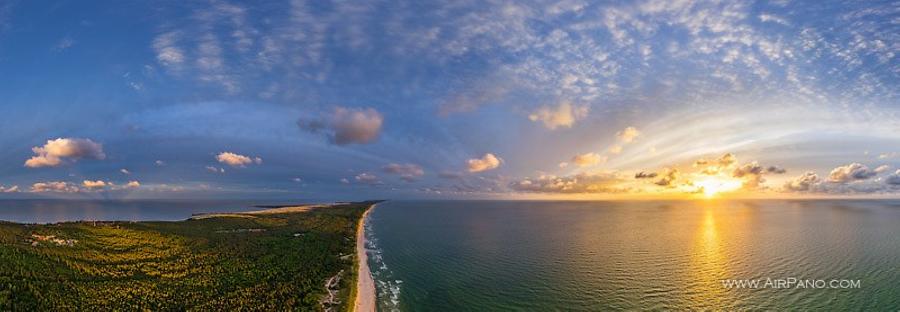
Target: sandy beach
(365,285)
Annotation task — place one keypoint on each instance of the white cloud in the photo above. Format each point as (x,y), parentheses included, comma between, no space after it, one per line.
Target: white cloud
(580,183)
(628,134)
(215,169)
(807,182)
(407,172)
(894,179)
(132,184)
(486,162)
(348,125)
(851,172)
(615,149)
(367,178)
(159,163)
(588,159)
(125,171)
(10,189)
(237,160)
(98,184)
(55,151)
(563,115)
(54,186)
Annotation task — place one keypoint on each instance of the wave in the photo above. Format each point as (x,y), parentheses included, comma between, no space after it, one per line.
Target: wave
(387,286)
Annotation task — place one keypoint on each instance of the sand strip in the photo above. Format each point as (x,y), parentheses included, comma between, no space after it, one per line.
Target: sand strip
(365,285)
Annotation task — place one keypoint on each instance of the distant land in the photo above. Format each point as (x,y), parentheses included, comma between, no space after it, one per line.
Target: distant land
(285,258)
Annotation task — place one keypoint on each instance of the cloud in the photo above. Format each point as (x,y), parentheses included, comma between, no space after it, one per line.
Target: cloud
(407,172)
(54,186)
(367,178)
(159,163)
(809,181)
(450,175)
(215,169)
(124,171)
(54,152)
(132,184)
(882,168)
(615,149)
(588,159)
(851,172)
(298,180)
(99,184)
(10,189)
(645,175)
(628,134)
(471,99)
(717,165)
(893,179)
(563,115)
(486,162)
(345,181)
(580,183)
(347,125)
(668,178)
(237,160)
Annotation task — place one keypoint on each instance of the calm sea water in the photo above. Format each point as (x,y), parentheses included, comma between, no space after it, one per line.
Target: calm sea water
(600,256)
(53,210)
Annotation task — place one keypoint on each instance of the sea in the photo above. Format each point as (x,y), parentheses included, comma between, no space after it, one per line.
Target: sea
(837,255)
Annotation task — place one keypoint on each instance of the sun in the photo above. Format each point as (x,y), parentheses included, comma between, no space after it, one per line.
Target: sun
(713,186)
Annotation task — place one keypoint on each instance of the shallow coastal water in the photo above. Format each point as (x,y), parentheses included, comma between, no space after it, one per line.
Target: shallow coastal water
(598,256)
(53,210)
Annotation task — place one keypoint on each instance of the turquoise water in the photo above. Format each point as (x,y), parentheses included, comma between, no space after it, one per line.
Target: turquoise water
(600,256)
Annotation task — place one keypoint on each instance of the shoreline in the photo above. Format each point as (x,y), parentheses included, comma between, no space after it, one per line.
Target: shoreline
(365,285)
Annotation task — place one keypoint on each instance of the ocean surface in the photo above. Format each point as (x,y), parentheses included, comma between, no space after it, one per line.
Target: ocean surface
(602,256)
(54,210)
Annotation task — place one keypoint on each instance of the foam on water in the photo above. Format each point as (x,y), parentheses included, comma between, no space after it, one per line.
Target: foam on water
(387,287)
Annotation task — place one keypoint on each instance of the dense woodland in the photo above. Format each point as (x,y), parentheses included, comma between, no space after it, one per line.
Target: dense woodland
(253,262)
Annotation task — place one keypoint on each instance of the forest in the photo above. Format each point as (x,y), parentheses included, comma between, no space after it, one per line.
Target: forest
(257,262)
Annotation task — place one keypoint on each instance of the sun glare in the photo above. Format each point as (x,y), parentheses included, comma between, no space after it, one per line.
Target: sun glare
(714,186)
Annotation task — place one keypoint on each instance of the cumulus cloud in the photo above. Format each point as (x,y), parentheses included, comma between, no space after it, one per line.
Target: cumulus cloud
(668,178)
(98,184)
(580,183)
(588,159)
(132,184)
(215,169)
(882,168)
(407,172)
(628,134)
(10,189)
(645,175)
(893,179)
(237,160)
(752,173)
(54,152)
(347,125)
(714,166)
(563,115)
(367,178)
(486,162)
(54,186)
(851,172)
(804,183)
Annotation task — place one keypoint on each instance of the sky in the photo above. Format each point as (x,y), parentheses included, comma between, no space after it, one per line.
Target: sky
(343,100)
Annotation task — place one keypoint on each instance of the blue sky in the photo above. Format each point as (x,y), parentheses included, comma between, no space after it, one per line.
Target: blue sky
(458,99)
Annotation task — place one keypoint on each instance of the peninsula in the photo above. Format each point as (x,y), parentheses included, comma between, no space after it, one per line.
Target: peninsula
(283,258)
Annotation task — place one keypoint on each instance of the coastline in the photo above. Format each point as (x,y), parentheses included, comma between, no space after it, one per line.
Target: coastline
(365,285)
